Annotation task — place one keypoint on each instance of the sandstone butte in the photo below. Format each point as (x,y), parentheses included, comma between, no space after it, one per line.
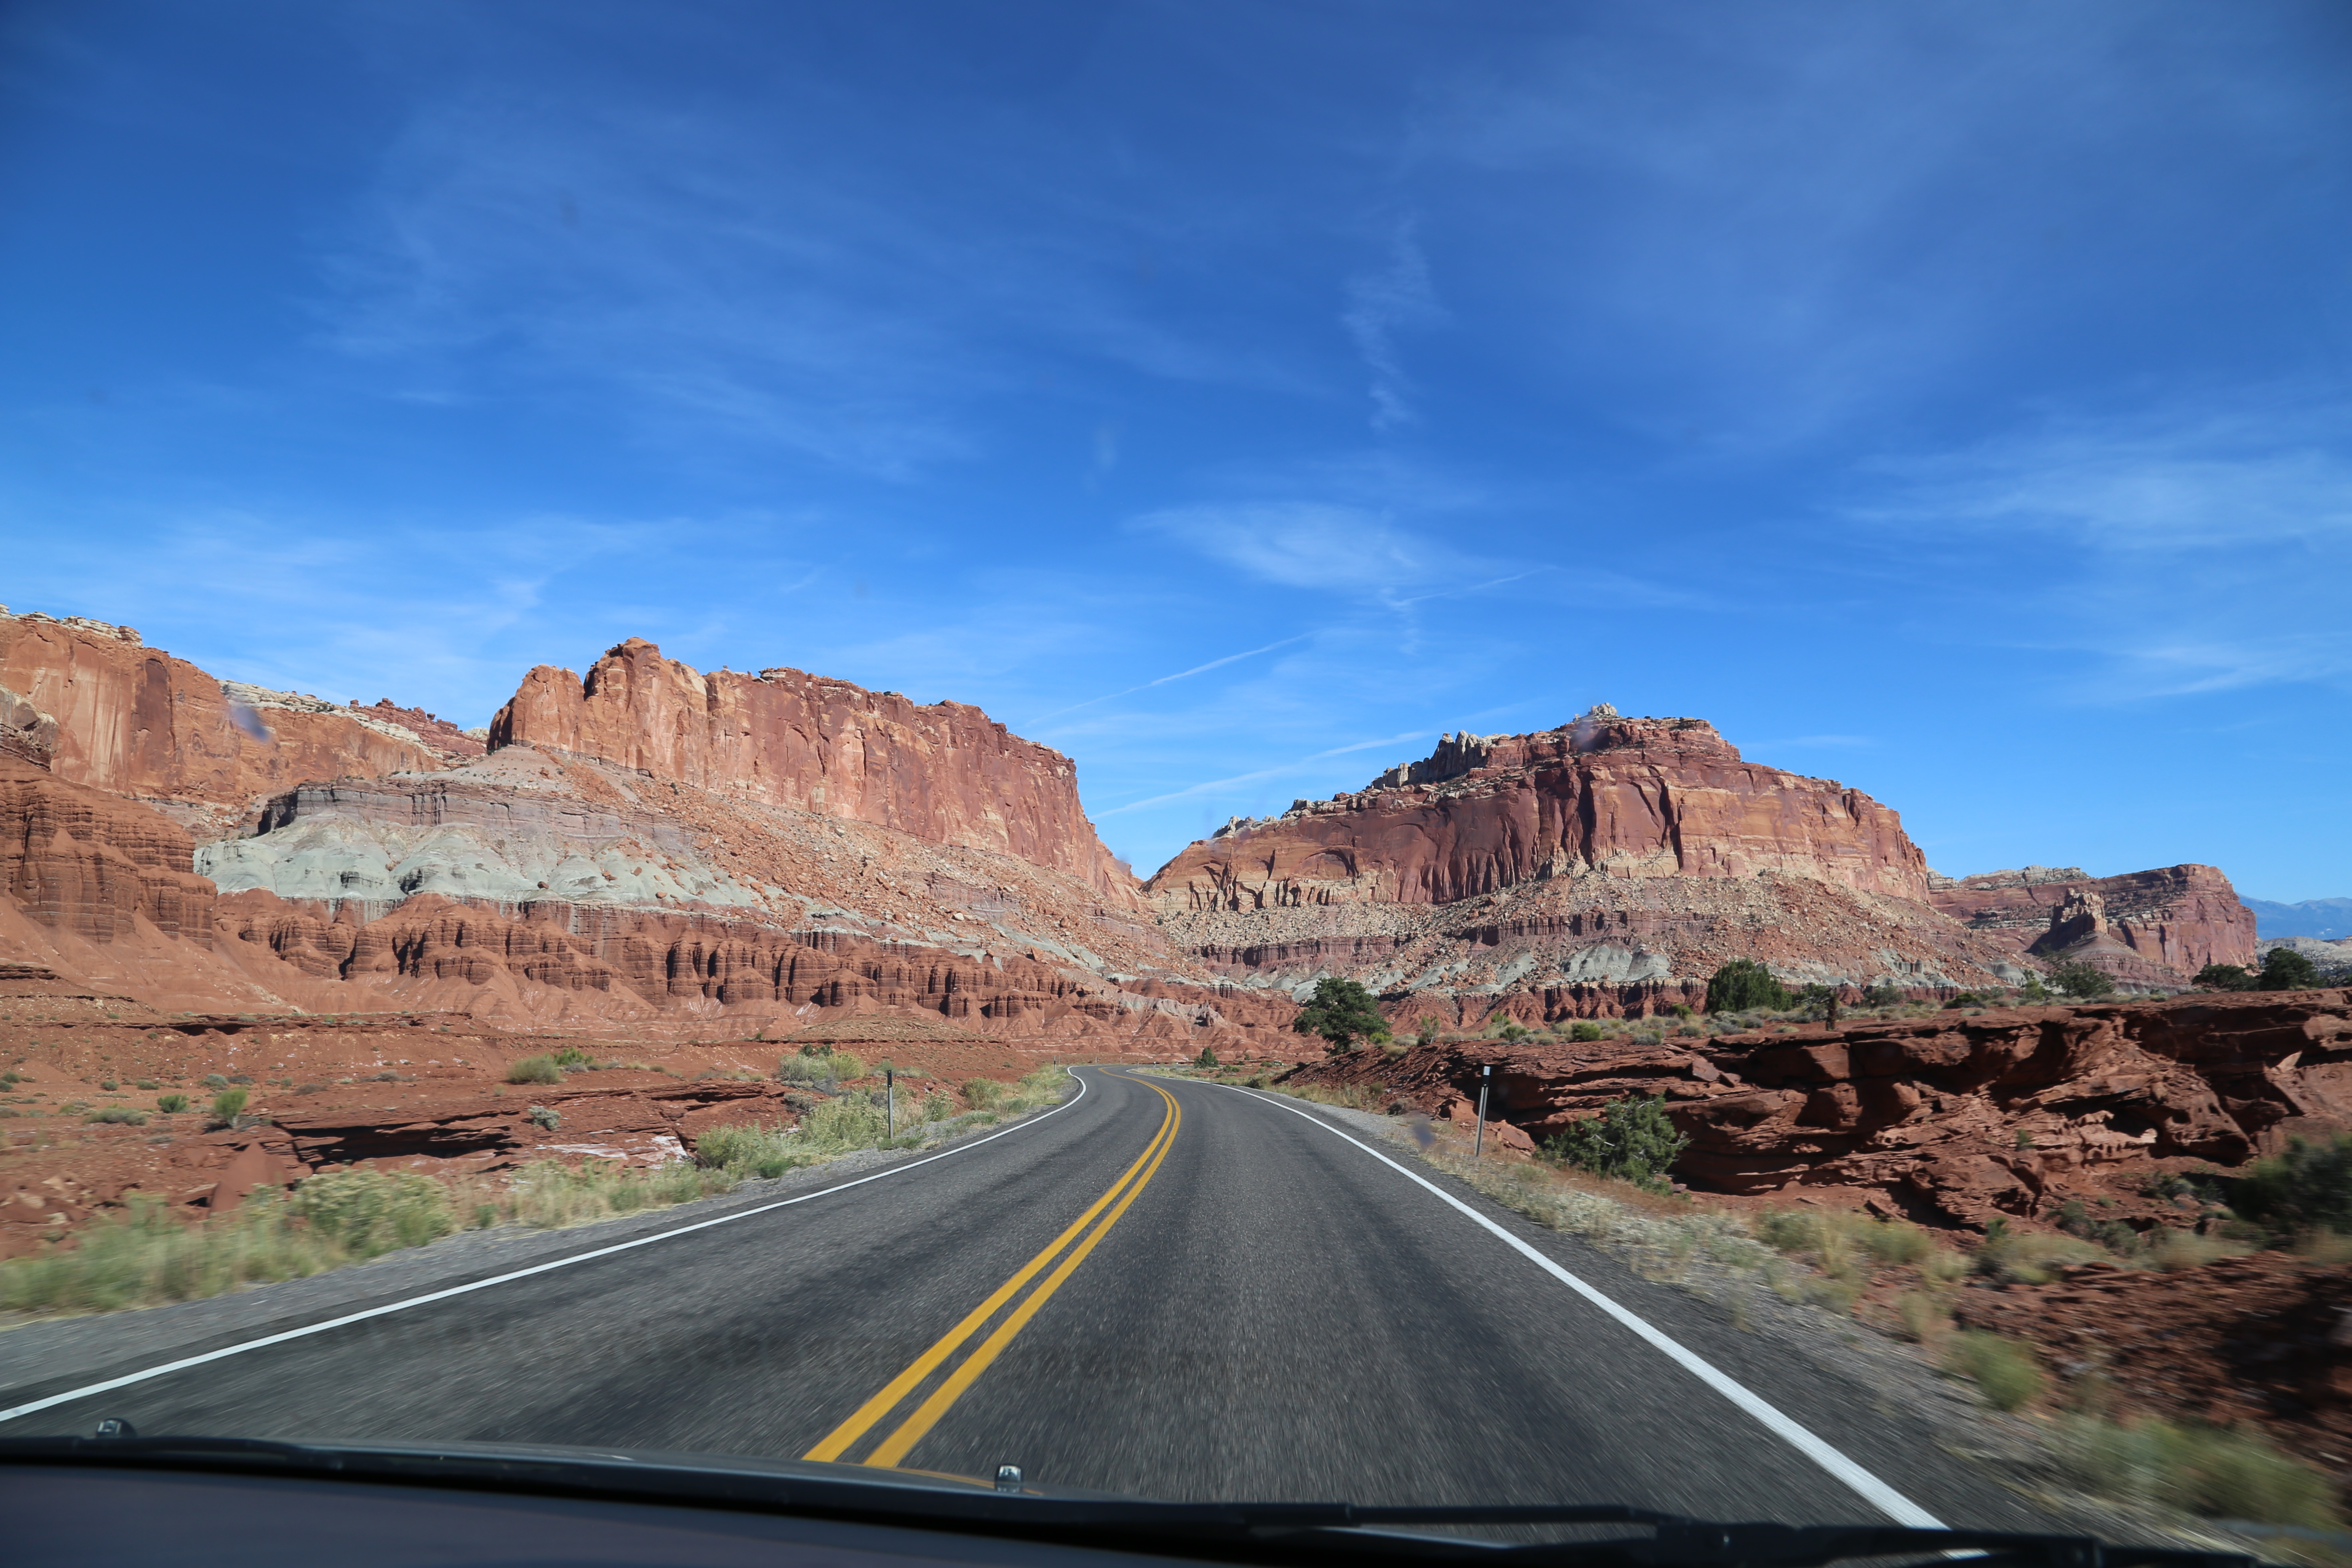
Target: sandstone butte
(945,773)
(1610,865)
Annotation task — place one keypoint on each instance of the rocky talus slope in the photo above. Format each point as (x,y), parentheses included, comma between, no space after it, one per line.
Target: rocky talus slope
(1607,865)
(2146,928)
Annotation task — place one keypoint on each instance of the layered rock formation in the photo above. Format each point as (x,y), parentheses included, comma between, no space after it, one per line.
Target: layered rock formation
(1606,796)
(1611,865)
(770,847)
(2146,928)
(1958,1118)
(945,773)
(134,721)
(75,860)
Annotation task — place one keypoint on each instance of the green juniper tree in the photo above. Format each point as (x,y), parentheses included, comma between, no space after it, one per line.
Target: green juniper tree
(1744,984)
(1341,1011)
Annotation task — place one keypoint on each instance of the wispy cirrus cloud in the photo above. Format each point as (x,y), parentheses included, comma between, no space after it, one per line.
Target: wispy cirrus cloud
(1381,303)
(2176,551)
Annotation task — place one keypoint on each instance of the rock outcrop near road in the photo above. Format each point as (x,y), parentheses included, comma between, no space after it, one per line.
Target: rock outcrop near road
(1957,1118)
(944,772)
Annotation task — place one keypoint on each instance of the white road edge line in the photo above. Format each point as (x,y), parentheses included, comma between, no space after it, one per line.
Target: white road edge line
(307,1330)
(1877,1493)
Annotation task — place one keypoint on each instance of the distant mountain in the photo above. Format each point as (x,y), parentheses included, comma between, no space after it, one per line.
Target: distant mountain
(2330,919)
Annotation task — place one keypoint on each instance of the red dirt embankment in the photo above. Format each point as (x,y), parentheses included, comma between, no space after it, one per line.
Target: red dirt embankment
(2265,1338)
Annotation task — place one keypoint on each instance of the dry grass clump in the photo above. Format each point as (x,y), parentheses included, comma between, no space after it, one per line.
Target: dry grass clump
(820,1066)
(2006,1371)
(549,1195)
(535,1070)
(2221,1472)
(146,1256)
(2034,1258)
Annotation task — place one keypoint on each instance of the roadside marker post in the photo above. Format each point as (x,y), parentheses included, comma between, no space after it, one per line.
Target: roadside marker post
(1478,1143)
(890,1101)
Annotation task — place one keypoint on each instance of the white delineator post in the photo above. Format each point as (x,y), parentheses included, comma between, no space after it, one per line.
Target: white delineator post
(1478,1140)
(890,1103)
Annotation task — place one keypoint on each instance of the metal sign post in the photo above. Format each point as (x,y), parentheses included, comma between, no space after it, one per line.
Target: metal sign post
(1478,1144)
(890,1103)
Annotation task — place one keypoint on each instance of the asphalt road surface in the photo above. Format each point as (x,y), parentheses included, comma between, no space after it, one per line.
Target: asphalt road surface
(1170,1288)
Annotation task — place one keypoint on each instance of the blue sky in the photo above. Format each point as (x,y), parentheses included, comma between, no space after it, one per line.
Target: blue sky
(1946,399)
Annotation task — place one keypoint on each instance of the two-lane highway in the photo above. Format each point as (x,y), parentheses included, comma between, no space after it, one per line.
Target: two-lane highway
(1172,1289)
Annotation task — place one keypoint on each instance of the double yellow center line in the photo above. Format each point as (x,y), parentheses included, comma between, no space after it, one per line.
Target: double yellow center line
(925,1416)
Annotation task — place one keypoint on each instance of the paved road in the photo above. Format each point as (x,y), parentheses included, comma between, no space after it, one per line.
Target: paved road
(1170,1288)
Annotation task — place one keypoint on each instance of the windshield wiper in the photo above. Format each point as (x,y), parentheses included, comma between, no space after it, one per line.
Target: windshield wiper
(1242,1531)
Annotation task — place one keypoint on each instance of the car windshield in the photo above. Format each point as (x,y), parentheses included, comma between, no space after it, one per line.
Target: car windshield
(1479,760)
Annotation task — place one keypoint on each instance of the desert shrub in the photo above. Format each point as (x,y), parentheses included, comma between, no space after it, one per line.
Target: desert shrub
(2284,969)
(550,1195)
(982,1093)
(110,1085)
(1426,1033)
(547,1119)
(1340,1011)
(368,1213)
(535,1070)
(215,1080)
(1882,994)
(937,1107)
(227,1103)
(2225,977)
(820,1066)
(2005,1370)
(119,1115)
(2306,1186)
(1207,1058)
(2032,1258)
(1511,1034)
(1631,1139)
(172,1104)
(1743,984)
(1923,1317)
(144,1255)
(573,1056)
(766,1151)
(2204,1469)
(1585,1031)
(2082,980)
(848,1122)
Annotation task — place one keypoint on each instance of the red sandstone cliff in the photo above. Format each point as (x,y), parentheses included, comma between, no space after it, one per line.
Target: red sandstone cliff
(1620,797)
(2155,927)
(946,773)
(73,859)
(134,720)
